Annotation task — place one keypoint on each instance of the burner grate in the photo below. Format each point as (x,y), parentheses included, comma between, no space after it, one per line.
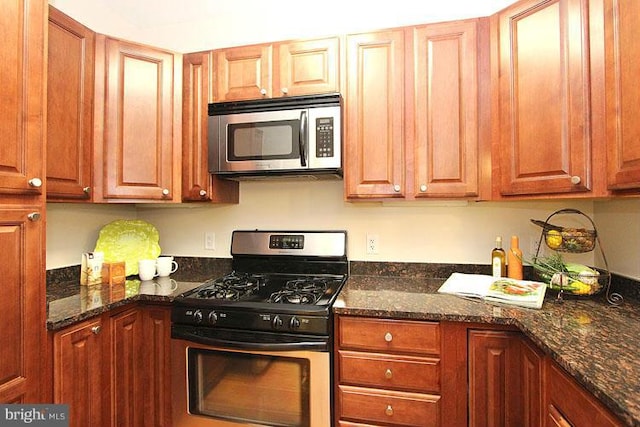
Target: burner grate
(233,286)
(300,291)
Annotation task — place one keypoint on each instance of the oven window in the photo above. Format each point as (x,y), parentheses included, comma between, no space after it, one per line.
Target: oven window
(264,141)
(249,388)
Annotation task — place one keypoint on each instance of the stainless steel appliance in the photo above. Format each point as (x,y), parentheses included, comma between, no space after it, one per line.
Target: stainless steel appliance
(254,347)
(290,136)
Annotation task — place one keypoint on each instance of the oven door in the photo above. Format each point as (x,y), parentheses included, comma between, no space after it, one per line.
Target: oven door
(217,386)
(259,141)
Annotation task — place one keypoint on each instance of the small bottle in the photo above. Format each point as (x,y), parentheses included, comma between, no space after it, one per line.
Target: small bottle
(514,259)
(498,260)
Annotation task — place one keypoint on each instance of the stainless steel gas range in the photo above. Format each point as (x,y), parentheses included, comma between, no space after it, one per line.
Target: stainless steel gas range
(254,347)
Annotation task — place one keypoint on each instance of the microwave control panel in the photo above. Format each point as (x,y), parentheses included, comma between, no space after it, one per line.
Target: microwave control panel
(324,137)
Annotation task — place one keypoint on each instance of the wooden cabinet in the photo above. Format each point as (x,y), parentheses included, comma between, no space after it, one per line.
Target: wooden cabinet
(70,83)
(24,375)
(197,183)
(272,70)
(137,152)
(22,104)
(567,404)
(413,112)
(388,372)
(114,369)
(622,50)
(375,121)
(545,143)
(80,372)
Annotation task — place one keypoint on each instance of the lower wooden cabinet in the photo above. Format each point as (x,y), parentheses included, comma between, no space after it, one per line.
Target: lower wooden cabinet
(114,369)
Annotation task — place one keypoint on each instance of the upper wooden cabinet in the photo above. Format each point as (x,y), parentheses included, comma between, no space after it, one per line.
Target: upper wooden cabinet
(273,70)
(70,83)
(22,103)
(197,183)
(622,50)
(138,99)
(412,112)
(545,141)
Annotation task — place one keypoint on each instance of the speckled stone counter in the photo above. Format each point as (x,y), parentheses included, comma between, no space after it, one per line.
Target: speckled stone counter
(596,343)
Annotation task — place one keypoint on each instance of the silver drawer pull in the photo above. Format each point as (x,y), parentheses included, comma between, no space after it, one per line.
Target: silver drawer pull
(35,182)
(388,337)
(34,216)
(389,410)
(203,193)
(96,330)
(575,180)
(165,191)
(86,190)
(388,374)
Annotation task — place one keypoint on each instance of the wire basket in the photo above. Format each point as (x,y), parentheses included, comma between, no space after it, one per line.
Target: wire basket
(571,283)
(574,240)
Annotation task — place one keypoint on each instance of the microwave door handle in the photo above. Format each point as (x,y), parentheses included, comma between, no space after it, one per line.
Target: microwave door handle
(302,139)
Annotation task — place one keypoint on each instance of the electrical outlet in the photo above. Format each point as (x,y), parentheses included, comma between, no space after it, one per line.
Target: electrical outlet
(372,244)
(210,241)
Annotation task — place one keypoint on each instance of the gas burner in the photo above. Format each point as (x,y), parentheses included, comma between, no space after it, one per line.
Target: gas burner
(233,286)
(300,291)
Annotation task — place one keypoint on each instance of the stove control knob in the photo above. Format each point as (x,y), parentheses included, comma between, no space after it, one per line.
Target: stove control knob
(294,323)
(213,318)
(197,316)
(276,323)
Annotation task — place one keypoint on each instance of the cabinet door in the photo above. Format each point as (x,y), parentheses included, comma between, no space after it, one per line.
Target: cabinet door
(79,370)
(138,154)
(622,53)
(242,73)
(22,71)
(531,365)
(306,67)
(494,379)
(375,136)
(128,363)
(446,110)
(157,369)
(70,82)
(22,306)
(545,139)
(197,183)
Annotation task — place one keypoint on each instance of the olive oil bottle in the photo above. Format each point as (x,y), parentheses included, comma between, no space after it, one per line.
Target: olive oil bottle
(498,260)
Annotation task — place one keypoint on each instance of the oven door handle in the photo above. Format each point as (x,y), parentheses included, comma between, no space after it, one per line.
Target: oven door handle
(301,343)
(302,139)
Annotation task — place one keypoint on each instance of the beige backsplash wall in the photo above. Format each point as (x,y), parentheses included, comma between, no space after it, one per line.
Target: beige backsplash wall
(449,232)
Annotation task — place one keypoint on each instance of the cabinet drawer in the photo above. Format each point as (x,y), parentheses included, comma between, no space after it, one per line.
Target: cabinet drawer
(389,335)
(388,407)
(409,373)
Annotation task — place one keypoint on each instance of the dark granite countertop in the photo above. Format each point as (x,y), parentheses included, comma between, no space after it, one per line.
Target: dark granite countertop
(598,344)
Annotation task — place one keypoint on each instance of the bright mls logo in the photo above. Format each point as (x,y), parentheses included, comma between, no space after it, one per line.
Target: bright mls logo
(42,415)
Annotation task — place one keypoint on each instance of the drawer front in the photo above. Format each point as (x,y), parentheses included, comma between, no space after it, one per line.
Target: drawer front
(386,335)
(389,408)
(420,374)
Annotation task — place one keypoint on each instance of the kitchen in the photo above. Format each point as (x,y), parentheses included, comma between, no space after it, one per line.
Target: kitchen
(433,231)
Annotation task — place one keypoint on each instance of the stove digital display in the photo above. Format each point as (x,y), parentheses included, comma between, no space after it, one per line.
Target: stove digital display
(289,241)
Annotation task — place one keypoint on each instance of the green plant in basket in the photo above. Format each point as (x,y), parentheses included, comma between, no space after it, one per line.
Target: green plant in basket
(567,276)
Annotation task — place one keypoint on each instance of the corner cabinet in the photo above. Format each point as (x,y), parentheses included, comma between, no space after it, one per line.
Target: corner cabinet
(138,102)
(281,69)
(622,48)
(545,143)
(198,184)
(70,84)
(413,128)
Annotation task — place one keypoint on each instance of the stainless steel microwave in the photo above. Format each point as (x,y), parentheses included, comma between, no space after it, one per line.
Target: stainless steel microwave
(298,136)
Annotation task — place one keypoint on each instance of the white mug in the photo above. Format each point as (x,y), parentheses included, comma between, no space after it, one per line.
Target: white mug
(166,265)
(147,269)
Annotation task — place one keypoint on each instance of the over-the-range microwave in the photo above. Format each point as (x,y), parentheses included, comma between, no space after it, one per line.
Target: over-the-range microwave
(297,136)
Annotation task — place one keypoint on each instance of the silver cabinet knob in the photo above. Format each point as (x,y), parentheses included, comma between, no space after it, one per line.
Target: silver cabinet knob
(34,216)
(203,193)
(263,91)
(575,180)
(388,374)
(396,188)
(285,90)
(96,329)
(388,337)
(389,410)
(86,190)
(165,191)
(423,188)
(35,182)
